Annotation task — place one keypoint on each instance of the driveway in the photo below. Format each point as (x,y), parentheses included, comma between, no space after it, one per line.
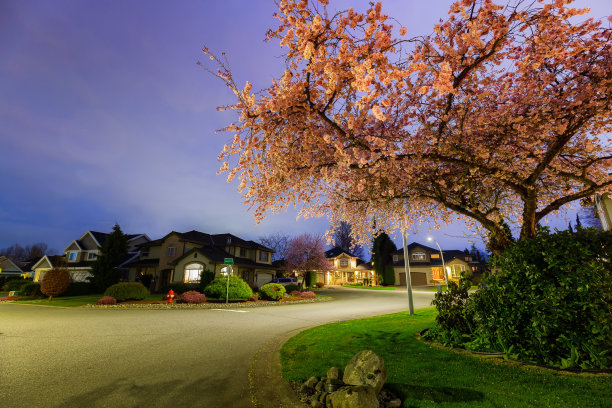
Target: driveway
(77,357)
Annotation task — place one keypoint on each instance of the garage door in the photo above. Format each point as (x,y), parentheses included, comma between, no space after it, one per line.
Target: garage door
(263,278)
(417,279)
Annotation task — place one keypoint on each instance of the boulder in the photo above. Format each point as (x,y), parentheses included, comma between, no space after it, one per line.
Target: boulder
(334,374)
(361,396)
(366,368)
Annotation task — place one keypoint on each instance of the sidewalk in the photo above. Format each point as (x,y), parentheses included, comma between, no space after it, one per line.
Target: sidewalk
(267,386)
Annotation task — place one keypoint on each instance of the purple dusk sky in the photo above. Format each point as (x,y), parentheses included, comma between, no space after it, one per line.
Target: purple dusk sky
(105,116)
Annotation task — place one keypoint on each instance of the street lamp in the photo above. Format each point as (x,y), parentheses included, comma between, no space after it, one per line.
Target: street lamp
(442,255)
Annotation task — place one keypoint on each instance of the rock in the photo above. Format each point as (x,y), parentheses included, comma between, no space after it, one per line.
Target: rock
(311,382)
(316,404)
(334,374)
(319,386)
(394,403)
(366,368)
(323,397)
(361,396)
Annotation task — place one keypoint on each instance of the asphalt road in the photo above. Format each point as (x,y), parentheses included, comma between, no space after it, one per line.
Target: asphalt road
(78,357)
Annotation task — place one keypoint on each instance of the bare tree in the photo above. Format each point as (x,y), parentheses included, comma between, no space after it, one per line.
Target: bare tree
(344,240)
(278,242)
(17,253)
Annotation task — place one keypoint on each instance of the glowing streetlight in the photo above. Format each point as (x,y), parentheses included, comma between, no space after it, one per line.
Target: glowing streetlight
(442,255)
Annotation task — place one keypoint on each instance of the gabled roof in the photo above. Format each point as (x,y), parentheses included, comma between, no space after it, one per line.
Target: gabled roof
(76,242)
(218,255)
(337,251)
(53,260)
(415,245)
(9,266)
(204,239)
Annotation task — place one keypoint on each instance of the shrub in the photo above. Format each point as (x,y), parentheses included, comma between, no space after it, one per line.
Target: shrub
(308,294)
(55,282)
(106,300)
(291,288)
(238,289)
(272,291)
(30,289)
(180,287)
(127,291)
(14,284)
(389,276)
(193,297)
(320,284)
(255,297)
(80,289)
(205,279)
(296,293)
(310,279)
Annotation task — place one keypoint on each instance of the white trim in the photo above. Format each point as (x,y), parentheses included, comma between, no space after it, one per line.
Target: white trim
(75,242)
(92,237)
(138,236)
(40,260)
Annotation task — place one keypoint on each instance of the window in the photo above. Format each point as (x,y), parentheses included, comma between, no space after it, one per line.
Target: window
(419,256)
(395,258)
(193,272)
(243,252)
(438,273)
(263,256)
(72,256)
(171,251)
(91,256)
(343,262)
(434,256)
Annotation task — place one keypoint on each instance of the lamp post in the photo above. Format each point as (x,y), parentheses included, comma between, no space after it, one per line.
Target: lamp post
(443,265)
(408,280)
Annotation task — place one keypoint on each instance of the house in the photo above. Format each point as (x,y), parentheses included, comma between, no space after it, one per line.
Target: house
(80,254)
(9,268)
(603,205)
(346,268)
(183,256)
(426,265)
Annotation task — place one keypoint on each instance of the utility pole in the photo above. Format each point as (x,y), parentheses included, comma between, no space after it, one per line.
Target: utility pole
(407,269)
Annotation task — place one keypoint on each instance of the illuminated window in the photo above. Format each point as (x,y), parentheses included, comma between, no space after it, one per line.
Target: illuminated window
(419,256)
(72,256)
(438,273)
(193,272)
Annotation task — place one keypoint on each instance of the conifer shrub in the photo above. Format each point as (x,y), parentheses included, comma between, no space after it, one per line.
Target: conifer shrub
(14,284)
(205,279)
(238,289)
(55,282)
(193,297)
(127,291)
(30,289)
(272,291)
(106,300)
(291,288)
(308,294)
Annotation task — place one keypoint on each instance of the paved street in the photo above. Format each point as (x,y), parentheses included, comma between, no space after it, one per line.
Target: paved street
(155,358)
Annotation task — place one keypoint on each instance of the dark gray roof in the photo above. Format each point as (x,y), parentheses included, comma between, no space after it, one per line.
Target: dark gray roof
(335,251)
(217,255)
(415,245)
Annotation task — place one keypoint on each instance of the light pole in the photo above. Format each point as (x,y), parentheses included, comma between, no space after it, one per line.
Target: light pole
(408,280)
(443,265)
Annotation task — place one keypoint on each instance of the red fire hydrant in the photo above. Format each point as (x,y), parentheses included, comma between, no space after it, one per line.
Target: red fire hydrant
(170,296)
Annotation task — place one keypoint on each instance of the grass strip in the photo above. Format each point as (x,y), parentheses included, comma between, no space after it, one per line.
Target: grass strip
(370,287)
(427,376)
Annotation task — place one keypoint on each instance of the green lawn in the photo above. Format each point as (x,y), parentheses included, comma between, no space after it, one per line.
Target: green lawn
(370,287)
(73,301)
(426,376)
(444,288)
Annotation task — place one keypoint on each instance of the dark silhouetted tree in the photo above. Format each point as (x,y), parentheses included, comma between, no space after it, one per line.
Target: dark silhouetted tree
(114,250)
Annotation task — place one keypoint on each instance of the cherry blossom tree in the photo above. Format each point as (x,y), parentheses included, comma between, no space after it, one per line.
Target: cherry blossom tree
(307,253)
(498,117)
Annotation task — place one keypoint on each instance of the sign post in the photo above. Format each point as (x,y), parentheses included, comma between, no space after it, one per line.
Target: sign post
(228,271)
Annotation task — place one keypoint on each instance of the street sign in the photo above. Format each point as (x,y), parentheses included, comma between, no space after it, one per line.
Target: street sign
(228,261)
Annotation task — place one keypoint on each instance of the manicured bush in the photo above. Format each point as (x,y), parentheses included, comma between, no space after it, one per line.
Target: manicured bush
(308,294)
(205,279)
(106,300)
(291,287)
(14,284)
(30,289)
(238,289)
(180,287)
(272,291)
(55,282)
(320,284)
(80,289)
(127,291)
(193,297)
(295,293)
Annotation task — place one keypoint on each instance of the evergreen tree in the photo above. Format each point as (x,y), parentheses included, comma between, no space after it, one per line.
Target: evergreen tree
(382,256)
(114,250)
(569,227)
(578,223)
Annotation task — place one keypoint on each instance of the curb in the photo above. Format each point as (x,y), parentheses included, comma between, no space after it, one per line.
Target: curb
(267,386)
